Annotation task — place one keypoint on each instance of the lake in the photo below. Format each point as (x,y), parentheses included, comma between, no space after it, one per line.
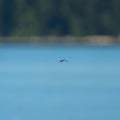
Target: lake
(34,85)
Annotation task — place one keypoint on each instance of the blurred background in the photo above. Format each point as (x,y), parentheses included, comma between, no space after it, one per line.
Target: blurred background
(40,18)
(35,35)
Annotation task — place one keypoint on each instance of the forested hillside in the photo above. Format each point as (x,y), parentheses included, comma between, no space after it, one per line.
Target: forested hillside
(59,17)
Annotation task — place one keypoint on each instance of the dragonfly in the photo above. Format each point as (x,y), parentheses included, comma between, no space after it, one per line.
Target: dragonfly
(63,60)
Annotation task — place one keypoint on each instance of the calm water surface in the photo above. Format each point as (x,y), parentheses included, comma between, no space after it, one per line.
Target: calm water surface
(34,85)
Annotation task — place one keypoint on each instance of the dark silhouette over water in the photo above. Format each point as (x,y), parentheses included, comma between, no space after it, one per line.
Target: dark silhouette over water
(63,60)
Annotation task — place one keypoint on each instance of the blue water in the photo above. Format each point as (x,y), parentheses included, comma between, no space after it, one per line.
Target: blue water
(34,85)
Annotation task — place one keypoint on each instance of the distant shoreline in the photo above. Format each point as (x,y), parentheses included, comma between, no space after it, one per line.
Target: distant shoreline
(86,40)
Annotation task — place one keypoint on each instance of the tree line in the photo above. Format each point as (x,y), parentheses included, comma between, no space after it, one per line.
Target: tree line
(59,17)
